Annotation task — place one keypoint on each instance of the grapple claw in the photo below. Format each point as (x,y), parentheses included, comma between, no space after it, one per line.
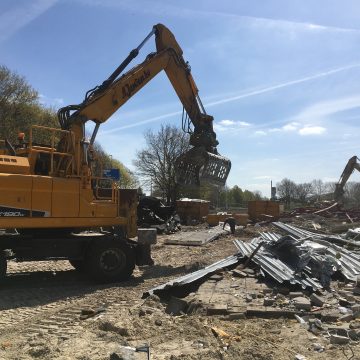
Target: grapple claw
(199,167)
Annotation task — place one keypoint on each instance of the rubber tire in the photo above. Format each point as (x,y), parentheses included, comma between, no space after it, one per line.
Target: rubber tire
(3,266)
(79,265)
(101,252)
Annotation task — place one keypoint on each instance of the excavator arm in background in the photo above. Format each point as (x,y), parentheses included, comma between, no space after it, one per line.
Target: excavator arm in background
(202,163)
(352,164)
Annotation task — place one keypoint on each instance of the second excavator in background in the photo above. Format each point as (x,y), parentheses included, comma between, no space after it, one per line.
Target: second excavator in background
(352,164)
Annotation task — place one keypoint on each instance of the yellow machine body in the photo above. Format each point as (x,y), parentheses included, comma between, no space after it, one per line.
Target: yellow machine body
(50,183)
(49,191)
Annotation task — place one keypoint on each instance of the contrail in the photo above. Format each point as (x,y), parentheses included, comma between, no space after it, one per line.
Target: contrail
(238,97)
(19,16)
(280,86)
(160,117)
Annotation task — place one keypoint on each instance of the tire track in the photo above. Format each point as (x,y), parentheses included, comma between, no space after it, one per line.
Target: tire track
(62,320)
(56,307)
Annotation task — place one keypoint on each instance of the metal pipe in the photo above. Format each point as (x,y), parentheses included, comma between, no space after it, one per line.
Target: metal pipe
(93,136)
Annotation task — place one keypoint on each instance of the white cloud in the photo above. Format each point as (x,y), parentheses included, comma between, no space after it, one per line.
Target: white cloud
(291,126)
(320,111)
(273,130)
(234,123)
(312,130)
(260,133)
(230,125)
(227,122)
(309,121)
(19,16)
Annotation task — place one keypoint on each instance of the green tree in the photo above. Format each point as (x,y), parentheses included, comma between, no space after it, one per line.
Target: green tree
(236,195)
(286,190)
(104,161)
(20,107)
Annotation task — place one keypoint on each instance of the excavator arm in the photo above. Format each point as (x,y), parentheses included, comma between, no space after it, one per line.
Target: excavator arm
(202,163)
(352,164)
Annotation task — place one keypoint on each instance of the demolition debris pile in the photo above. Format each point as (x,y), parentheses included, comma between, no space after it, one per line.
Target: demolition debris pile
(303,257)
(287,273)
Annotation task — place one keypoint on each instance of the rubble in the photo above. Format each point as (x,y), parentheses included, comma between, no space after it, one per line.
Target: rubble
(301,256)
(151,212)
(234,294)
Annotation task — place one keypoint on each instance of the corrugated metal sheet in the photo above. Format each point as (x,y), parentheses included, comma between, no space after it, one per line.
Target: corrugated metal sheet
(349,261)
(274,267)
(194,276)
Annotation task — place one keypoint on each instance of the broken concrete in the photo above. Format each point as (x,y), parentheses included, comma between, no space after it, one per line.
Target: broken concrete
(195,238)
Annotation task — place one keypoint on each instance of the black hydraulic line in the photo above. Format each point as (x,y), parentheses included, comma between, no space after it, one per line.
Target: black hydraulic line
(65,113)
(132,55)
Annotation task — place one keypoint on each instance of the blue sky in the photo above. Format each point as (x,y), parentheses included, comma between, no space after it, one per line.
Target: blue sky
(280,77)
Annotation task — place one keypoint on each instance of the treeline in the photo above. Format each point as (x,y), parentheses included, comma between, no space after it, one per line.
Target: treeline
(235,197)
(293,194)
(20,108)
(226,198)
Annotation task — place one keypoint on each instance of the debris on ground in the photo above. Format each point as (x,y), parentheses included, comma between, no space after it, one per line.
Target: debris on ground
(210,302)
(290,272)
(151,212)
(196,238)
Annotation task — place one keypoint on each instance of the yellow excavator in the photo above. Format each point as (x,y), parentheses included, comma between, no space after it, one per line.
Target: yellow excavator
(60,209)
(352,164)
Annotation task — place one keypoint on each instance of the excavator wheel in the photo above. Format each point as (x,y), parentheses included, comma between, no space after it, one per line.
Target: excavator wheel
(110,261)
(3,266)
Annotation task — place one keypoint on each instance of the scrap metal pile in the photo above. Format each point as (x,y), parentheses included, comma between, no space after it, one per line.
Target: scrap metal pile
(303,257)
(153,213)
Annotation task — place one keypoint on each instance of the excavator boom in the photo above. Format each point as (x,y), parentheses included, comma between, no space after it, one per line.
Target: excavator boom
(202,164)
(352,164)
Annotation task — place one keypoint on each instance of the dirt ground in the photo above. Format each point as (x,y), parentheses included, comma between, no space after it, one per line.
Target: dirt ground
(41,303)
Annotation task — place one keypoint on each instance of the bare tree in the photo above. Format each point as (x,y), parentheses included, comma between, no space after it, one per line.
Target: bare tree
(155,163)
(286,190)
(352,194)
(302,191)
(319,187)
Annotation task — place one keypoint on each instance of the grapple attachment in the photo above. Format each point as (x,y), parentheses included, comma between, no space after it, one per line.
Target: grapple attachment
(199,167)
